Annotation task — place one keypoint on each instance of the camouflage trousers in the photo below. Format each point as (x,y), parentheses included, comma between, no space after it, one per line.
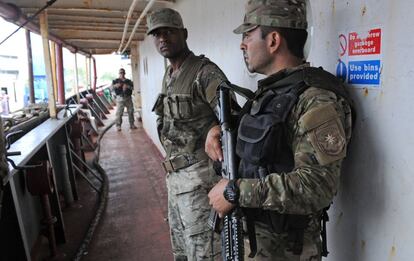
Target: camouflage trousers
(188,212)
(273,247)
(121,103)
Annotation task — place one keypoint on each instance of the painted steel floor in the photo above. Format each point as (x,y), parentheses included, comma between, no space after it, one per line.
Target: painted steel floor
(134,226)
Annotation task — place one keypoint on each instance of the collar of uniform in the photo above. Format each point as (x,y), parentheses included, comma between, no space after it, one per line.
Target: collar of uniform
(187,59)
(280,75)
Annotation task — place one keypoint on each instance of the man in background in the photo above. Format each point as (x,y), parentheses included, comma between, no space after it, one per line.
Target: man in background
(123,88)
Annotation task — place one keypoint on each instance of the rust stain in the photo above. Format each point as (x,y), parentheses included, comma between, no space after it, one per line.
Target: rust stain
(363,244)
(354,243)
(88,3)
(339,219)
(393,252)
(364,10)
(366,92)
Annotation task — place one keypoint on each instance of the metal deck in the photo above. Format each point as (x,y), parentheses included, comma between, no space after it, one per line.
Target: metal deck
(134,226)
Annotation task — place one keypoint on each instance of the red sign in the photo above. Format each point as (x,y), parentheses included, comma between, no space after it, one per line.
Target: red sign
(342,45)
(364,46)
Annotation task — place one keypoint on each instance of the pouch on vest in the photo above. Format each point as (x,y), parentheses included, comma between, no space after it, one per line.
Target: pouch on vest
(184,106)
(260,133)
(158,107)
(179,106)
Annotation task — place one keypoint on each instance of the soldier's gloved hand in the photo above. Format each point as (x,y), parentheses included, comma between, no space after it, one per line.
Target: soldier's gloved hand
(213,144)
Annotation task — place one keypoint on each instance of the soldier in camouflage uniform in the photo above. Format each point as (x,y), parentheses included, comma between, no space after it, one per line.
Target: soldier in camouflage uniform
(186,111)
(292,140)
(123,88)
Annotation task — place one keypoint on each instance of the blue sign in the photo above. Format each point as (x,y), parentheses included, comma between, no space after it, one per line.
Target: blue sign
(364,72)
(341,71)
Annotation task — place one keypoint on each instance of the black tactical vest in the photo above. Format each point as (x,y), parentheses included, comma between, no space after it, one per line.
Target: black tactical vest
(263,144)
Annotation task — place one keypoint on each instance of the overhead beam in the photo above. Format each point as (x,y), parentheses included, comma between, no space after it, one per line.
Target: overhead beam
(100,12)
(87,18)
(97,45)
(88,4)
(101,51)
(89,34)
(88,23)
(94,28)
(94,44)
(94,40)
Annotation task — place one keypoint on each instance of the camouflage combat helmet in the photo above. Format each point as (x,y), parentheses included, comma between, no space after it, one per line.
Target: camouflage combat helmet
(277,13)
(164,17)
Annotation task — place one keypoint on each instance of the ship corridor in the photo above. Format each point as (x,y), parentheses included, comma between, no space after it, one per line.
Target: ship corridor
(134,225)
(57,196)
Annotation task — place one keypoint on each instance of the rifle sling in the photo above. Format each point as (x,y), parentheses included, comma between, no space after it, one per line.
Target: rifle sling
(251,232)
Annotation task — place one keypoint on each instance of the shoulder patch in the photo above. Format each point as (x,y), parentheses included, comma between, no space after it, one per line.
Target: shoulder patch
(325,133)
(328,141)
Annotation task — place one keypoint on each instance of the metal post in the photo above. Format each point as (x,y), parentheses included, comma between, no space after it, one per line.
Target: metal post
(60,74)
(90,73)
(76,78)
(53,62)
(95,77)
(135,78)
(46,53)
(67,188)
(30,67)
(49,221)
(87,73)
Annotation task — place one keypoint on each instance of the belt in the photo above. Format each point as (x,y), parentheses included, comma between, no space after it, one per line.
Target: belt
(184,160)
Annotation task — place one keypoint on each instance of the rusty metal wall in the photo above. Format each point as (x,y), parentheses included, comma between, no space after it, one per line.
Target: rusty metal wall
(370,217)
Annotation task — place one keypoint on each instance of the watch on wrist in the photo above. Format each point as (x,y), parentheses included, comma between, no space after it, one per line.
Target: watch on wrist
(232,192)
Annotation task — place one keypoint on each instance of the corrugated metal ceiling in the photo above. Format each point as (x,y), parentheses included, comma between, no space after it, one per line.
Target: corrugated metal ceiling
(94,26)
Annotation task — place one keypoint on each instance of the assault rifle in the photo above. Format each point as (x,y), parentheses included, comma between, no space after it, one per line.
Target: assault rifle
(232,231)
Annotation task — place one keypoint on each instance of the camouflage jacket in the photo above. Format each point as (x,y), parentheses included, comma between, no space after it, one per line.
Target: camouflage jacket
(186,106)
(319,129)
